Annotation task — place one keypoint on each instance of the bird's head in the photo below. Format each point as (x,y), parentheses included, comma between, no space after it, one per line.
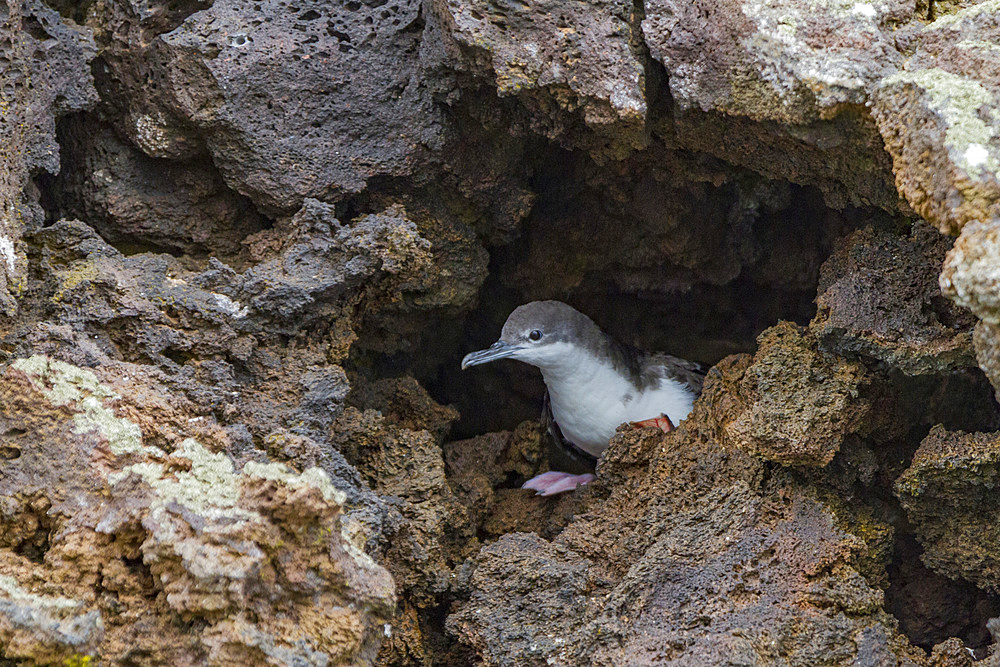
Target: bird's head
(545,334)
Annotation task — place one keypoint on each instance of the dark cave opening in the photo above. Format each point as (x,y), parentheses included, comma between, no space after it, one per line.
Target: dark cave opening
(143,204)
(691,311)
(778,241)
(931,607)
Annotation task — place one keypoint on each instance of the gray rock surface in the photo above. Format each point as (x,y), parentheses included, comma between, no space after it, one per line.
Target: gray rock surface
(879,299)
(243,245)
(340,85)
(44,75)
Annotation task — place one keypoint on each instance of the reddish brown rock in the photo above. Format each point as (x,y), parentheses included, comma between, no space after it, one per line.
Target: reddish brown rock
(790,403)
(948,494)
(879,300)
(486,473)
(692,557)
(255,565)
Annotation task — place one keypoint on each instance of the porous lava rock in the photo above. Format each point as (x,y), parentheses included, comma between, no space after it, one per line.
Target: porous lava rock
(937,116)
(969,272)
(480,471)
(879,300)
(948,494)
(565,61)
(205,451)
(775,61)
(134,200)
(782,85)
(695,555)
(172,552)
(790,402)
(205,354)
(406,465)
(340,87)
(969,278)
(44,74)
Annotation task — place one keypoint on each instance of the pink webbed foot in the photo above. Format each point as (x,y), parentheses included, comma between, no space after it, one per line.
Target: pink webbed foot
(551,483)
(662,422)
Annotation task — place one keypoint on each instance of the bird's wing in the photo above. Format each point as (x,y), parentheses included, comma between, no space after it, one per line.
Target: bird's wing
(575,453)
(550,422)
(690,373)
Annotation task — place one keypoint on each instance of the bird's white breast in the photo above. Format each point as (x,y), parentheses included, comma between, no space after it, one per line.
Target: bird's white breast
(590,401)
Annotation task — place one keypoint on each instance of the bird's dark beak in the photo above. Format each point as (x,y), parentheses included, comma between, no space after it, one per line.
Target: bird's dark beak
(498,350)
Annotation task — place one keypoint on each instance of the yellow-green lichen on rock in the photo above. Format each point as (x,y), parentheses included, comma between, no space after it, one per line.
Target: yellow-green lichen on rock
(208,486)
(259,556)
(45,628)
(311,478)
(939,118)
(958,101)
(68,385)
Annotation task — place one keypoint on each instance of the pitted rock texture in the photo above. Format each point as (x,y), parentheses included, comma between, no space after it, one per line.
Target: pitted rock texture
(949,496)
(790,403)
(207,332)
(328,178)
(952,653)
(406,465)
(879,300)
(480,469)
(45,628)
(249,360)
(779,61)
(340,85)
(207,357)
(259,564)
(784,86)
(969,277)
(430,292)
(134,200)
(939,120)
(693,556)
(579,56)
(441,505)
(44,74)
(129,80)
(986,339)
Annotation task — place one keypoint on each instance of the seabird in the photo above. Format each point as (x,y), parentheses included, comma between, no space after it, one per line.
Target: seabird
(593,382)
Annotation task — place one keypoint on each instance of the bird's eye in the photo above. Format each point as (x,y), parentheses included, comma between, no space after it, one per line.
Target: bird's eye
(535,335)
